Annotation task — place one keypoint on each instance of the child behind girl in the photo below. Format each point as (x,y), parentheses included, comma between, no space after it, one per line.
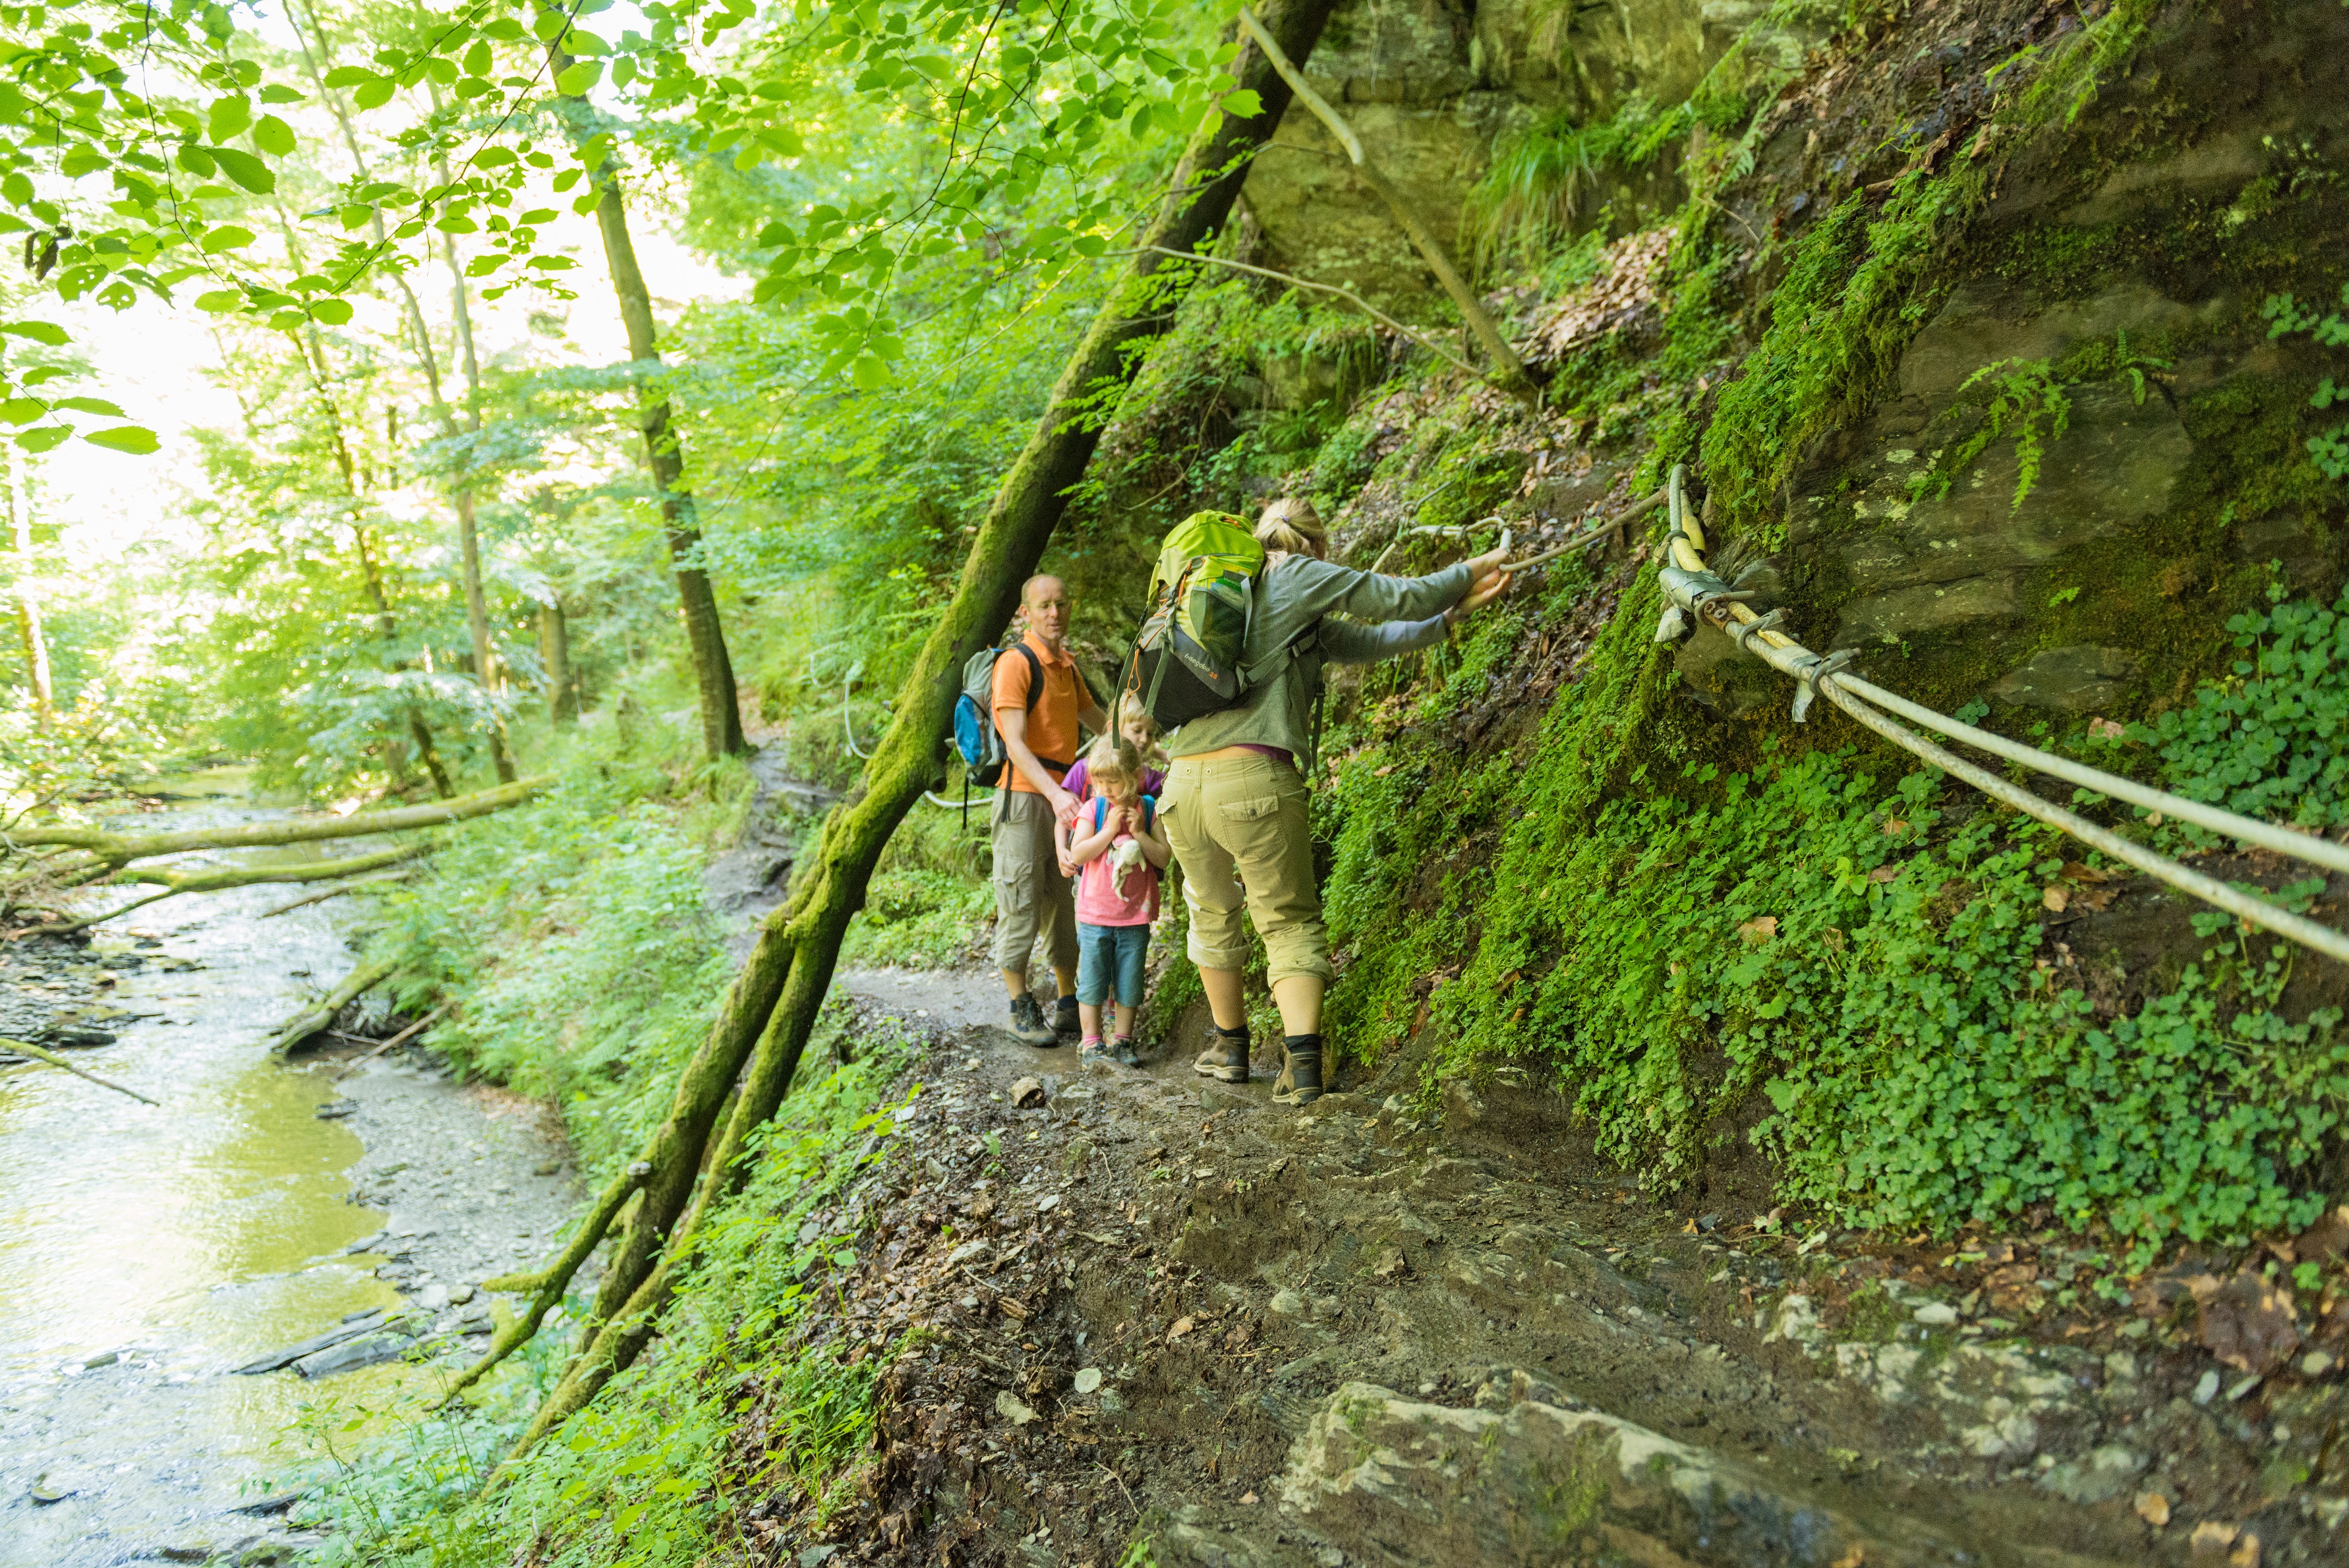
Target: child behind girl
(1139,728)
(1117,846)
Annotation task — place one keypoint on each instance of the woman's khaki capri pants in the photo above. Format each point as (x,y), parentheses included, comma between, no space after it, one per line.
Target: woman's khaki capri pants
(1240,825)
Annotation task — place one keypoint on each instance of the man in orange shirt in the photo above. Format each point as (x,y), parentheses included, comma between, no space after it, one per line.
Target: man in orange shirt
(1039,737)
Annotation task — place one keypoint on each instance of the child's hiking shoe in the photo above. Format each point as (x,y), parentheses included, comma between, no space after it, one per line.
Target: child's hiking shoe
(1028,1024)
(1065,1022)
(1300,1074)
(1092,1053)
(1122,1051)
(1226,1055)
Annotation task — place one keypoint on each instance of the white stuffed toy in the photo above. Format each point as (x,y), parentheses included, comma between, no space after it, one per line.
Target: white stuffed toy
(1122,860)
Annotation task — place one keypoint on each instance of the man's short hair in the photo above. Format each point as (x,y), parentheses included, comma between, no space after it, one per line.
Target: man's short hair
(1027,589)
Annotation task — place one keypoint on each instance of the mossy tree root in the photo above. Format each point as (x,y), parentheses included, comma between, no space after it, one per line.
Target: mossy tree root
(546,1285)
(608,1347)
(772,1005)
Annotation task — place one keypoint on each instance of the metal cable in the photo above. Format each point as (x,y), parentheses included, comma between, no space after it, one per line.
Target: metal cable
(849,729)
(2315,851)
(2307,932)
(1691,588)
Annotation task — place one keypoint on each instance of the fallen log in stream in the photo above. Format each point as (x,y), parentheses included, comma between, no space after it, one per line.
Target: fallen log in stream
(57,860)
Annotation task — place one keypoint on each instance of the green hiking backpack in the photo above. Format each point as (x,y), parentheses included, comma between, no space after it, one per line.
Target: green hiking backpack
(1187,658)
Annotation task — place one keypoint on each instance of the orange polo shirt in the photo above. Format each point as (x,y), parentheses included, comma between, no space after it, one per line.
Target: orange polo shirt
(1052,722)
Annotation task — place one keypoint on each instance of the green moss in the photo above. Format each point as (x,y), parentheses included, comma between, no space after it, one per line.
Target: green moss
(1857,290)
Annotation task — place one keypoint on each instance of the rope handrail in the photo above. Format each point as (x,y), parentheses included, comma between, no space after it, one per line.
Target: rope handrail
(1694,590)
(848,728)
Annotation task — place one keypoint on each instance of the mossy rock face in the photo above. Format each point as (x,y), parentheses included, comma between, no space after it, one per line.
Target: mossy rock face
(1987,319)
(1933,564)
(1431,87)
(2083,677)
(2088,559)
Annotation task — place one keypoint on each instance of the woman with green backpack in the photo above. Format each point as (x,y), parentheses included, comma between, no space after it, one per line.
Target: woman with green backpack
(1236,806)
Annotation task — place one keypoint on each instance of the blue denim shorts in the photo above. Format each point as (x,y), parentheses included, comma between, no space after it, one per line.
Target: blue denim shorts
(1111,952)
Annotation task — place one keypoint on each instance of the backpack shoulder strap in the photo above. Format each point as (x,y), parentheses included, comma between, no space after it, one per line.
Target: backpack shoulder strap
(1035,672)
(1101,809)
(1149,811)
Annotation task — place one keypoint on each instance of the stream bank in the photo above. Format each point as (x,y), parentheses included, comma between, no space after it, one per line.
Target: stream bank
(145,1252)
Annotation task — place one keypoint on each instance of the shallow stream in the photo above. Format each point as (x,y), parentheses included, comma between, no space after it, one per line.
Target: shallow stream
(146,1251)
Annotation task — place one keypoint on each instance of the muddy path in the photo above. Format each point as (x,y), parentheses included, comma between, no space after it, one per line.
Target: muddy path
(1351,1335)
(144,1253)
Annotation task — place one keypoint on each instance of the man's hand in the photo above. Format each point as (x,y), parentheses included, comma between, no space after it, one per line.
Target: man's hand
(1064,806)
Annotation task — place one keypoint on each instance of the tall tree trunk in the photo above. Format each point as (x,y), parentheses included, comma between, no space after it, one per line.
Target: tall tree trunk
(771,1009)
(387,629)
(312,352)
(469,545)
(554,653)
(713,670)
(27,592)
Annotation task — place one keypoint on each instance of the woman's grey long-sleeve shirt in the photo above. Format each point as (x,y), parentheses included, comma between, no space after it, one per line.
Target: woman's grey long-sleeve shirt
(1360,618)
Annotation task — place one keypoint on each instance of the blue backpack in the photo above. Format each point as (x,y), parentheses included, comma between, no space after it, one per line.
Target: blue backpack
(1101,811)
(976,737)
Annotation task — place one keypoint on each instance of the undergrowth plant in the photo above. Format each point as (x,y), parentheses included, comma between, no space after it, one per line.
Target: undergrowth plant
(2286,317)
(1849,971)
(574,939)
(2270,738)
(2029,400)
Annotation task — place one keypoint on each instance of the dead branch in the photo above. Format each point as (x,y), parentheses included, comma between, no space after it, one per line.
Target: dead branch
(323,894)
(21,1049)
(1508,370)
(215,879)
(310,1022)
(118,850)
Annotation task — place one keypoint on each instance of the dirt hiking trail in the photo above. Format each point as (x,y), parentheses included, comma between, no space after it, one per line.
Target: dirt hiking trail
(1358,1336)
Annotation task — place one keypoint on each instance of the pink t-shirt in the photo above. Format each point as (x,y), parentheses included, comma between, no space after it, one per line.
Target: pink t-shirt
(1098,902)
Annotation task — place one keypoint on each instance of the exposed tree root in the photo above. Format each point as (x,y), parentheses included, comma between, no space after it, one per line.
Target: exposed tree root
(307,1023)
(546,1285)
(21,1049)
(396,1041)
(773,1004)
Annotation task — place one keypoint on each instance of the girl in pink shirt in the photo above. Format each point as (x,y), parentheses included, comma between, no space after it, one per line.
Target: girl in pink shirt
(1117,845)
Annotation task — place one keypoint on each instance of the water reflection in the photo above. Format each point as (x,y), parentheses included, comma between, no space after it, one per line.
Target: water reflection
(180,1240)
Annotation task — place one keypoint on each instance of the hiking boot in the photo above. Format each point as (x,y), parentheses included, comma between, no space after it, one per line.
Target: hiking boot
(1065,1022)
(1092,1053)
(1300,1074)
(1226,1055)
(1122,1051)
(1028,1024)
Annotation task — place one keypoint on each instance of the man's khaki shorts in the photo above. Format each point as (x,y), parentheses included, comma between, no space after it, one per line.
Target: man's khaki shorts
(1030,894)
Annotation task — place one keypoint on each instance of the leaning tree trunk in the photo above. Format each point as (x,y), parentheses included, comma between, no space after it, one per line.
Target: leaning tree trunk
(713,669)
(773,1004)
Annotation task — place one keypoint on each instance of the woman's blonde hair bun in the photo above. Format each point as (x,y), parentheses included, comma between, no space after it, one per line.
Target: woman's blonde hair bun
(1290,523)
